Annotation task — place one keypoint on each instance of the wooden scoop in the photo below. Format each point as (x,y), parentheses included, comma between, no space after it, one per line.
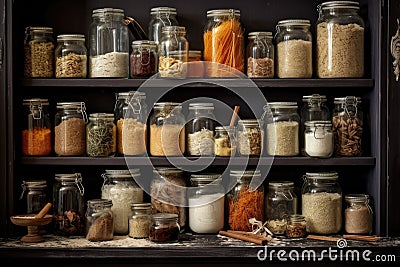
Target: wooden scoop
(44,211)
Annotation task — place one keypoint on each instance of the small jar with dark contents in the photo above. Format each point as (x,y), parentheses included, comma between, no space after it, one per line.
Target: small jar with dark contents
(143,59)
(164,228)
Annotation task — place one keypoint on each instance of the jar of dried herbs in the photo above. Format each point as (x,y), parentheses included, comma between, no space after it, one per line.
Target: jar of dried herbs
(99,220)
(250,138)
(101,135)
(358,215)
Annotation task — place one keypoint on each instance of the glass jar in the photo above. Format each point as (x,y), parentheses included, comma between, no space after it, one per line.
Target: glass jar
(143,59)
(340,40)
(173,52)
(224,42)
(68,204)
(283,131)
(260,55)
(70,129)
(225,141)
(101,135)
(195,67)
(318,139)
(164,228)
(99,220)
(322,202)
(140,220)
(161,17)
(206,204)
(36,197)
(294,49)
(281,201)
(109,44)
(296,226)
(131,114)
(200,129)
(250,138)
(347,123)
(39,52)
(120,187)
(167,130)
(358,215)
(167,194)
(71,56)
(36,133)
(244,202)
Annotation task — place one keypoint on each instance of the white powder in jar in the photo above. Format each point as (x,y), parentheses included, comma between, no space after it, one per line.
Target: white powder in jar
(318,145)
(208,218)
(114,64)
(201,143)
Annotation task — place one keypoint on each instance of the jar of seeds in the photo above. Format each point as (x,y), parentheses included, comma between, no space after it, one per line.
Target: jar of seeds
(250,138)
(71,56)
(101,137)
(140,219)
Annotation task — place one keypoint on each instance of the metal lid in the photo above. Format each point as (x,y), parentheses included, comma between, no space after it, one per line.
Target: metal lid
(294,22)
(165,171)
(225,128)
(100,11)
(133,94)
(167,29)
(205,178)
(35,184)
(71,37)
(201,106)
(101,116)
(145,43)
(65,105)
(222,12)
(162,9)
(96,202)
(339,4)
(253,35)
(68,177)
(141,206)
(347,99)
(248,174)
(308,98)
(165,217)
(122,174)
(322,175)
(359,198)
(39,29)
(249,123)
(281,184)
(281,105)
(318,123)
(36,101)
(167,104)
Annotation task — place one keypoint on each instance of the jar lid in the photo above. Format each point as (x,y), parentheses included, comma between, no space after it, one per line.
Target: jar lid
(249,123)
(35,184)
(245,175)
(141,206)
(195,53)
(71,37)
(339,4)
(145,43)
(124,174)
(223,12)
(357,198)
(294,22)
(133,94)
(165,217)
(224,128)
(262,34)
(36,101)
(205,178)
(100,11)
(193,106)
(96,202)
(101,116)
(167,104)
(318,123)
(39,29)
(314,97)
(322,175)
(281,105)
(68,177)
(65,105)
(163,9)
(165,171)
(173,29)
(347,100)
(281,184)
(296,218)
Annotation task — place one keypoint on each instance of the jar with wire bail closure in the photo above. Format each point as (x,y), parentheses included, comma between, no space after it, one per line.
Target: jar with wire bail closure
(99,220)
(250,138)
(36,197)
(101,135)
(161,17)
(260,55)
(358,214)
(71,56)
(318,139)
(143,59)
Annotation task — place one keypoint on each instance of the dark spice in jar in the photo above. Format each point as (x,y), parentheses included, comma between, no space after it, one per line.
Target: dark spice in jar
(164,234)
(70,223)
(143,64)
(296,230)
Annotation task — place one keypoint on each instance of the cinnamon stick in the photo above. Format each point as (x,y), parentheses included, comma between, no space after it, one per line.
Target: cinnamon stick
(234,115)
(362,237)
(323,238)
(245,237)
(44,211)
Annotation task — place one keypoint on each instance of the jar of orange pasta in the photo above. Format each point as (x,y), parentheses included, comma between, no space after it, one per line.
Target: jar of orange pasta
(224,43)
(36,134)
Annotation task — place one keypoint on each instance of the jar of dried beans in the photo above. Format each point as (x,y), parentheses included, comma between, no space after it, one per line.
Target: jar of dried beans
(36,133)
(294,49)
(71,56)
(161,17)
(39,52)
(348,126)
(318,139)
(260,55)
(139,220)
(340,40)
(200,129)
(101,135)
(164,227)
(225,141)
(245,202)
(167,130)
(70,129)
(143,59)
(99,220)
(358,215)
(36,197)
(250,138)
(68,204)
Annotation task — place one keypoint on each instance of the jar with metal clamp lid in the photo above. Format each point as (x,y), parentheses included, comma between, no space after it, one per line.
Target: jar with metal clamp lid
(318,139)
(99,220)
(101,135)
(161,17)
(71,56)
(143,59)
(358,214)
(36,197)
(260,55)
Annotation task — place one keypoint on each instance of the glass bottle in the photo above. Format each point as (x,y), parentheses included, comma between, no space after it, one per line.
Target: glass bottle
(101,135)
(225,141)
(294,49)
(281,201)
(358,214)
(340,40)
(36,133)
(250,138)
(99,220)
(167,130)
(70,129)
(68,204)
(322,202)
(244,202)
(200,129)
(206,204)
(164,228)
(36,197)
(260,55)
(109,44)
(347,123)
(318,139)
(140,220)
(160,18)
(143,59)
(39,52)
(71,56)
(120,187)
(296,226)
(173,52)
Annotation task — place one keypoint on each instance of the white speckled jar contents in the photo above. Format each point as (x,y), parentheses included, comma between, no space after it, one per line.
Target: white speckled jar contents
(318,139)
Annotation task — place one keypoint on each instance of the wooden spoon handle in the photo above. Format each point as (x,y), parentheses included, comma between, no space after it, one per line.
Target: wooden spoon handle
(44,211)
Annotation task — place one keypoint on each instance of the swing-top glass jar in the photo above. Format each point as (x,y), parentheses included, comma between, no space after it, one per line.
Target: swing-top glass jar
(250,138)
(71,56)
(260,55)
(318,139)
(143,59)
(36,197)
(160,18)
(358,215)
(101,135)
(99,220)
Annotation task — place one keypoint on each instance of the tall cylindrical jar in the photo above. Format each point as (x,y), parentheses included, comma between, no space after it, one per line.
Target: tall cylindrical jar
(70,129)
(260,55)
(294,49)
(109,44)
(143,59)
(167,130)
(36,132)
(358,215)
(99,220)
(139,220)
(340,40)
(250,138)
(318,139)
(36,197)
(347,123)
(68,204)
(224,42)
(71,56)
(161,17)
(322,202)
(173,52)
(120,187)
(101,135)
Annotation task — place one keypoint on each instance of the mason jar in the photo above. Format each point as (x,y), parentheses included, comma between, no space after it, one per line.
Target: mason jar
(347,123)
(340,40)
(164,227)
(358,214)
(296,226)
(140,220)
(161,17)
(225,141)
(108,44)
(322,202)
(39,52)
(143,59)
(167,130)
(173,52)
(250,138)
(68,204)
(200,129)
(36,197)
(294,49)
(206,204)
(70,129)
(36,131)
(99,220)
(260,55)
(71,56)
(101,135)
(244,202)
